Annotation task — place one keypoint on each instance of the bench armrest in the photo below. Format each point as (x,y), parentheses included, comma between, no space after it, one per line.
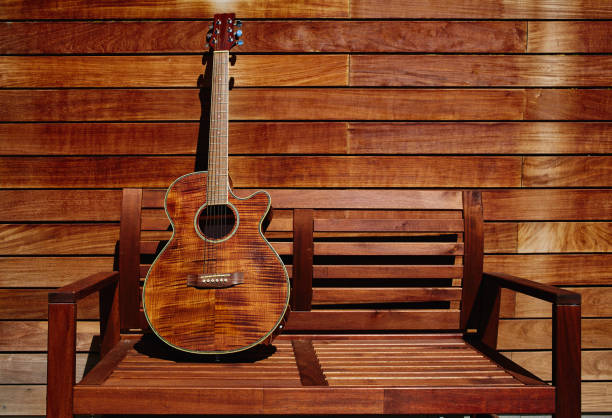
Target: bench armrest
(78,290)
(566,340)
(61,360)
(537,290)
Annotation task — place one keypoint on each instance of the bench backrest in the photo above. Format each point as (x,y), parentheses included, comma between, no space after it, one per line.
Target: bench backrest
(359,259)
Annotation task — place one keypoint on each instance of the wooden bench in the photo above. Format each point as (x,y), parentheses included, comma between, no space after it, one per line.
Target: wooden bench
(391,314)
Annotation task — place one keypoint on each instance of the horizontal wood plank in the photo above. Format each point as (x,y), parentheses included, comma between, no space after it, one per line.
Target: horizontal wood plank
(341,295)
(276,104)
(555,269)
(563,171)
(521,334)
(25,336)
(474,70)
(387,248)
(20,400)
(169,71)
(49,271)
(569,37)
(597,397)
(547,204)
(480,138)
(263,36)
(500,237)
(262,172)
(568,104)
(50,239)
(389,225)
(595,302)
(32,304)
(175,9)
(596,365)
(375,171)
(169,138)
(319,320)
(31,369)
(64,205)
(487,9)
(559,237)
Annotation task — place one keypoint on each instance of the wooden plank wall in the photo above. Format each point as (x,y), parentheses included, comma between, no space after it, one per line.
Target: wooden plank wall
(509,96)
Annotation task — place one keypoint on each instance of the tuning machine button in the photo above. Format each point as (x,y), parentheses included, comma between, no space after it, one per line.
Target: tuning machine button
(238,33)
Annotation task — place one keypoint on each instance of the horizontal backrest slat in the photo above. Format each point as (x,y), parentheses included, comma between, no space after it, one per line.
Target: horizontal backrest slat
(394,225)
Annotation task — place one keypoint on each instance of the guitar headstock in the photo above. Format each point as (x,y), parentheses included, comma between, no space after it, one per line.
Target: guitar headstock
(224,32)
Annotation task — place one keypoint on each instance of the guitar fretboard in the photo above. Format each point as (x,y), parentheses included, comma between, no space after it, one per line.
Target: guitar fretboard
(216,183)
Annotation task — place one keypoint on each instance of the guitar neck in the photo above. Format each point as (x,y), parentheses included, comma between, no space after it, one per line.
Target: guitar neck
(217,179)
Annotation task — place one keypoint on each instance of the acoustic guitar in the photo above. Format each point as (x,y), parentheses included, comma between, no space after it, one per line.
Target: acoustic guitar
(217,286)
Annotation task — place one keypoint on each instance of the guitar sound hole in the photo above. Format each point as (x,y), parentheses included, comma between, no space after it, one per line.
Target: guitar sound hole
(216,221)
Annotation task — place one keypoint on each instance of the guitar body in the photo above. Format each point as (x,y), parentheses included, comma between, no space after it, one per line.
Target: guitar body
(218,286)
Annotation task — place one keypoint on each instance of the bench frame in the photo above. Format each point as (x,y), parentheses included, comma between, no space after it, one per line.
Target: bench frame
(119,313)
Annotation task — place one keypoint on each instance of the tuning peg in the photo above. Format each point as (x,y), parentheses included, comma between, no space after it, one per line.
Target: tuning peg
(238,23)
(238,33)
(208,36)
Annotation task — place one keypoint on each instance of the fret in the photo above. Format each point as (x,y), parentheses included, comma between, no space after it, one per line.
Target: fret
(217,180)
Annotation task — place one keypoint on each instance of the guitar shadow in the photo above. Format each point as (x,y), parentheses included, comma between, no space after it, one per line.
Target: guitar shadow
(151,346)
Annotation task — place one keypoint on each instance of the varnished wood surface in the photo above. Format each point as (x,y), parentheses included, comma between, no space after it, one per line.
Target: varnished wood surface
(264,36)
(586,37)
(174,9)
(488,9)
(218,320)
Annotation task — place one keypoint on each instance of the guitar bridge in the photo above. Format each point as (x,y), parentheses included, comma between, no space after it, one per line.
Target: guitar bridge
(215,281)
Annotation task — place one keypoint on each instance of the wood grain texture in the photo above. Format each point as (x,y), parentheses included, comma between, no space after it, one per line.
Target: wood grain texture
(570,104)
(49,205)
(547,204)
(596,365)
(480,138)
(169,71)
(280,104)
(32,304)
(339,295)
(175,9)
(519,334)
(375,171)
(31,369)
(596,302)
(559,237)
(500,238)
(263,36)
(579,171)
(221,320)
(49,271)
(247,171)
(475,70)
(51,239)
(25,336)
(568,37)
(169,138)
(488,9)
(596,396)
(555,269)
(84,172)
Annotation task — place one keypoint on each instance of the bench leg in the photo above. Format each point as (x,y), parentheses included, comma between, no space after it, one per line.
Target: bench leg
(566,360)
(61,359)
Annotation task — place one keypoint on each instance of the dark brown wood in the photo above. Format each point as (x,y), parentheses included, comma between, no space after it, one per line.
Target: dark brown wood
(566,359)
(263,36)
(110,320)
(129,259)
(308,364)
(538,290)
(61,372)
(109,362)
(80,289)
(473,260)
(396,225)
(488,307)
(300,104)
(303,252)
(342,295)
